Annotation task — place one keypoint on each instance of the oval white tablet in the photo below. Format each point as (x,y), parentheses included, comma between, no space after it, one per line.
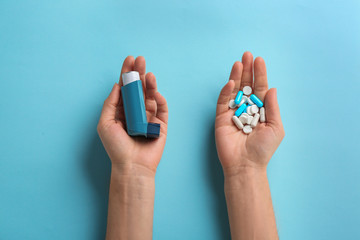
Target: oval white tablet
(262,115)
(247,129)
(255,120)
(247,90)
(237,122)
(244,99)
(249,119)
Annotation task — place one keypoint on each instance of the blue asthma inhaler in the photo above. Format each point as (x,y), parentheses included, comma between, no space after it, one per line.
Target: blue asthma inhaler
(134,107)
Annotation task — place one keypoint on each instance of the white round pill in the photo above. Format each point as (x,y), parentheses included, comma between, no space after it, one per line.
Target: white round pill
(245,115)
(232,104)
(248,110)
(243,119)
(247,129)
(247,90)
(249,119)
(254,109)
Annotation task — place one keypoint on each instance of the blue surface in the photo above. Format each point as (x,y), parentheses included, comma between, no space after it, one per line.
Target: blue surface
(59,60)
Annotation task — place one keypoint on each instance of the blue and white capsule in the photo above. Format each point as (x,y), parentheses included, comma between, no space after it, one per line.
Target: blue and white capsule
(256,100)
(238,97)
(240,110)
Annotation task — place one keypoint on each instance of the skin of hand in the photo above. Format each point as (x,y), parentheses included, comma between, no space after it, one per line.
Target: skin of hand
(123,149)
(244,157)
(236,149)
(134,159)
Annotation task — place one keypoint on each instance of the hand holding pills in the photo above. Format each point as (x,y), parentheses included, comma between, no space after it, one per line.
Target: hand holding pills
(248,127)
(247,113)
(248,130)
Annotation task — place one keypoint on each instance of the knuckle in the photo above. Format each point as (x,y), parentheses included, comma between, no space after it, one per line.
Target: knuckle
(261,87)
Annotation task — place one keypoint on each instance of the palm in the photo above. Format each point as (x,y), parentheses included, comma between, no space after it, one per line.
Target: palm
(234,147)
(143,151)
(233,144)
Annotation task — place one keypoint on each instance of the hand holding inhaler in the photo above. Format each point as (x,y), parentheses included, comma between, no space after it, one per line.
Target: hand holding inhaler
(134,107)
(134,112)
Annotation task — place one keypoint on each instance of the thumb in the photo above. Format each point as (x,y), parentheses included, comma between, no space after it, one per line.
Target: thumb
(109,108)
(224,97)
(272,109)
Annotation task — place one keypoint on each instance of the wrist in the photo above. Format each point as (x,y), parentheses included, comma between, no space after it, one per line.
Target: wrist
(239,176)
(244,166)
(131,177)
(131,202)
(131,169)
(132,184)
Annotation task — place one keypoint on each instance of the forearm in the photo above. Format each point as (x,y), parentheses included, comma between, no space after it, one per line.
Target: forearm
(131,203)
(250,209)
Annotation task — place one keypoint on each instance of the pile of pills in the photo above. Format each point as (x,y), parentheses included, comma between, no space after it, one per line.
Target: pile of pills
(250,110)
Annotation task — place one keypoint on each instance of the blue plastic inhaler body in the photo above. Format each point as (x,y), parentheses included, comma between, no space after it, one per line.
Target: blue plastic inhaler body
(134,107)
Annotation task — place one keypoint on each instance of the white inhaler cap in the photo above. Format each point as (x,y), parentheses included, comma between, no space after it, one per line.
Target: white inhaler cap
(130,77)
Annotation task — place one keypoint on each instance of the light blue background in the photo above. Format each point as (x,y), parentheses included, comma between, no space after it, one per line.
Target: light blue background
(59,60)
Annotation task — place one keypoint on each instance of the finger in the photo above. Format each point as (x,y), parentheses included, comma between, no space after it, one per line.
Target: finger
(127,66)
(120,115)
(109,108)
(260,82)
(151,86)
(272,111)
(150,93)
(247,75)
(140,66)
(224,97)
(236,73)
(162,112)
